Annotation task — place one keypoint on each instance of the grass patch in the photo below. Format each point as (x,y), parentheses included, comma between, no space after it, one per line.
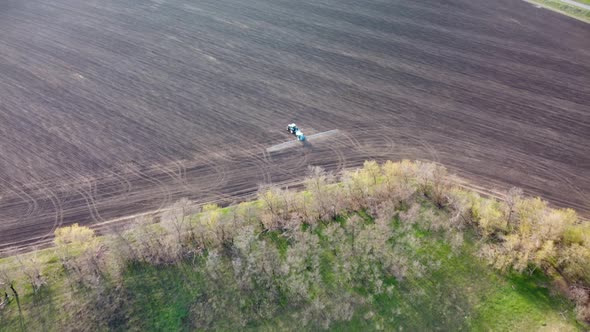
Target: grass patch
(159,298)
(587,2)
(567,9)
(462,293)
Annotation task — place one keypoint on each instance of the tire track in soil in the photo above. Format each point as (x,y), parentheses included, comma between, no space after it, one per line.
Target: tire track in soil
(165,197)
(217,163)
(290,162)
(32,204)
(57,205)
(195,100)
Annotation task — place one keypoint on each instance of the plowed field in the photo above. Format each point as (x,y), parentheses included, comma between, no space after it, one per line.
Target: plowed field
(110,108)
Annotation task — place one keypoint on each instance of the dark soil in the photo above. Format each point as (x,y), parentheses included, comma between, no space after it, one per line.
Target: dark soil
(111,108)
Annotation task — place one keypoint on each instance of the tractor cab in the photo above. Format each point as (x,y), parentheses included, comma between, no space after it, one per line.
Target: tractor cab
(292,128)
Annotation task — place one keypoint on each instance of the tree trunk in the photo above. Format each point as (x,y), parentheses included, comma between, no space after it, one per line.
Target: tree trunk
(20,313)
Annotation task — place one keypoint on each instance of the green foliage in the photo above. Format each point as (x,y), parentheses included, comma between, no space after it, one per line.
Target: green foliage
(489,216)
(577,234)
(568,9)
(159,297)
(520,304)
(392,246)
(76,235)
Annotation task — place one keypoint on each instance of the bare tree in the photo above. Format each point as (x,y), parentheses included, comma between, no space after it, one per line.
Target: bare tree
(325,202)
(397,184)
(177,221)
(434,182)
(279,205)
(512,197)
(30,265)
(8,280)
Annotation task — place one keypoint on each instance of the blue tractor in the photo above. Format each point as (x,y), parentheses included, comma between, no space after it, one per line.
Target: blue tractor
(292,128)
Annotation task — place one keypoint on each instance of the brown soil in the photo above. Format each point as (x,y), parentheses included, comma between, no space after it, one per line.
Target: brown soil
(116,107)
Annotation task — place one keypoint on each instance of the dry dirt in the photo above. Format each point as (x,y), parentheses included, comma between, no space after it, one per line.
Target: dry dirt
(111,108)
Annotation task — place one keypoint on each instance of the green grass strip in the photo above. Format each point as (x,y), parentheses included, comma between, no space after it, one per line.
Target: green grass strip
(565,8)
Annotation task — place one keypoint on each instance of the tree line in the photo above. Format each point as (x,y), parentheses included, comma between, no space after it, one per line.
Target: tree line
(298,253)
